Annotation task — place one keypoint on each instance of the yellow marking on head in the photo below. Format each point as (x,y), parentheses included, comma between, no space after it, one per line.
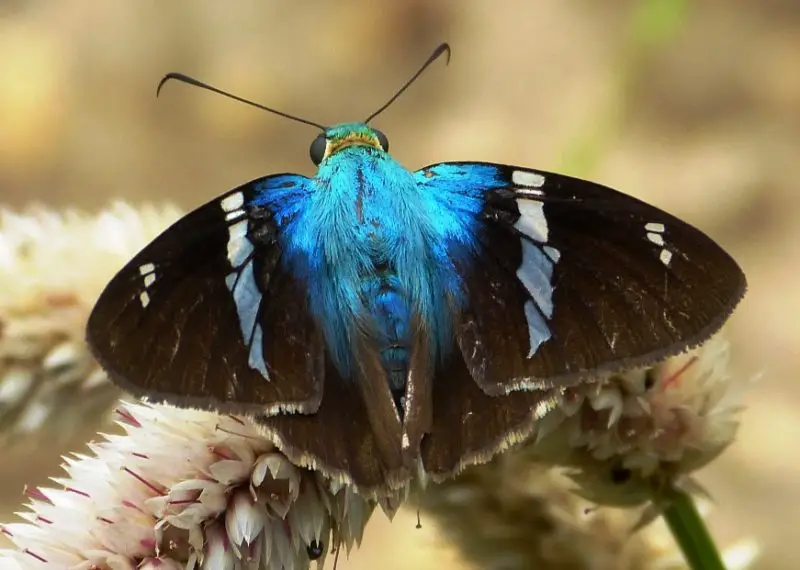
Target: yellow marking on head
(352,139)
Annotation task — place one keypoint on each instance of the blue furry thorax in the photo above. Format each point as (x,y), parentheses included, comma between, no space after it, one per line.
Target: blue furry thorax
(369,245)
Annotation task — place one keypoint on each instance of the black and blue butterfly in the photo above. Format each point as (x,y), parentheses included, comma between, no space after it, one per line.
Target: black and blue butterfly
(378,321)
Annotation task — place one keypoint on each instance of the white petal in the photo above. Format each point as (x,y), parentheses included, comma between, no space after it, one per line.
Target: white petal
(306,519)
(244,519)
(217,554)
(229,471)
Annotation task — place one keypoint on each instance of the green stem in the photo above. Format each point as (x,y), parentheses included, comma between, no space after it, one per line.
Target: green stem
(690,532)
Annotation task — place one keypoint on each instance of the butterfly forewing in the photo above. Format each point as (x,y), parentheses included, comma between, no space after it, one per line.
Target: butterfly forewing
(572,279)
(206,315)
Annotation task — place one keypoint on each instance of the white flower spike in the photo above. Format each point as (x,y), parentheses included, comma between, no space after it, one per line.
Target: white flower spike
(184,489)
(626,436)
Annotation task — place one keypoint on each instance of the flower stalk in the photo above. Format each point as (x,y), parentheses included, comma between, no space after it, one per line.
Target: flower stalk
(690,532)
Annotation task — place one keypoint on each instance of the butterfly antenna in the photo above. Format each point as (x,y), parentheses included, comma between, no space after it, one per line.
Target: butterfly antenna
(192,81)
(437,53)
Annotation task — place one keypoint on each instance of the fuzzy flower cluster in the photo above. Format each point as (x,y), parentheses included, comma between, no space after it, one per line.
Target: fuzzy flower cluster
(621,441)
(83,250)
(627,436)
(52,267)
(184,489)
(514,513)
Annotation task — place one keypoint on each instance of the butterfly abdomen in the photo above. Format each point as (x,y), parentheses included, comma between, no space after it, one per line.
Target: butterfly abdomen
(389,316)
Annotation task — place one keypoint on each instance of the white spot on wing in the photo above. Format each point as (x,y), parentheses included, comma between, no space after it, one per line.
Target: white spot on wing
(247,299)
(256,357)
(529,192)
(552,253)
(232,202)
(532,221)
(237,230)
(654,234)
(535,273)
(147,271)
(239,247)
(238,251)
(538,331)
(529,179)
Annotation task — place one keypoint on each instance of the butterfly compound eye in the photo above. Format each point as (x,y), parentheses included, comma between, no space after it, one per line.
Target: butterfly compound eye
(317,149)
(382,139)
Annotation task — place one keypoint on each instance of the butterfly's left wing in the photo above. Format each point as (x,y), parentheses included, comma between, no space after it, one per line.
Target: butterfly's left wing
(561,280)
(209,315)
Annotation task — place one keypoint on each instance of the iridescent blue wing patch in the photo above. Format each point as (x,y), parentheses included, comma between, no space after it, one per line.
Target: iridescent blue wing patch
(561,280)
(207,316)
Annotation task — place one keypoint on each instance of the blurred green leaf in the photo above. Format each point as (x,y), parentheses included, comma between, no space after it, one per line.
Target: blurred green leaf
(652,25)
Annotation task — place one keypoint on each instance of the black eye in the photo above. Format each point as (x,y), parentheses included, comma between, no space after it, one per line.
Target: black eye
(314,550)
(317,149)
(382,140)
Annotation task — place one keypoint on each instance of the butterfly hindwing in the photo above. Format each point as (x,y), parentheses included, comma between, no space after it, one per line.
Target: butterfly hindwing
(337,439)
(207,315)
(470,426)
(565,279)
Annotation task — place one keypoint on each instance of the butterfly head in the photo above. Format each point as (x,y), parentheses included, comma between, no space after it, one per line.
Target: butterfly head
(340,137)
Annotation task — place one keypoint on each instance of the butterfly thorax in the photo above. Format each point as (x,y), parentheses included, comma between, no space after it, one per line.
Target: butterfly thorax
(374,281)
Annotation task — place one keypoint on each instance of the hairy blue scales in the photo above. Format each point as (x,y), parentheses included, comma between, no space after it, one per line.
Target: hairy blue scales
(367,242)
(376,246)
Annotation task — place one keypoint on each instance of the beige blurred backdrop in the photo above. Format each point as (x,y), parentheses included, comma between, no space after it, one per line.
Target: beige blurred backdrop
(694,107)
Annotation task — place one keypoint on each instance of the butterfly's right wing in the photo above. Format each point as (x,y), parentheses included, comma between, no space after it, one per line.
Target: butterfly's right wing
(562,281)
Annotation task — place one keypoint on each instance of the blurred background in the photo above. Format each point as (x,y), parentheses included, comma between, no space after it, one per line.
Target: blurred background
(694,107)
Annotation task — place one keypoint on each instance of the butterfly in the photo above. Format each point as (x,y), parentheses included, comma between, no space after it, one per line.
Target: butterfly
(379,321)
